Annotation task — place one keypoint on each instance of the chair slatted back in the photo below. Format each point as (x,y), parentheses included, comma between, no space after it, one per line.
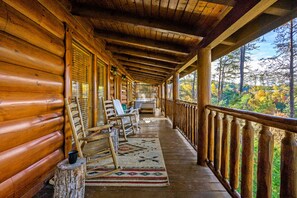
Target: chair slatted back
(118,106)
(109,110)
(76,122)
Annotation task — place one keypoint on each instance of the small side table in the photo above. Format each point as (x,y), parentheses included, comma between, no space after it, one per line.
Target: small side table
(70,179)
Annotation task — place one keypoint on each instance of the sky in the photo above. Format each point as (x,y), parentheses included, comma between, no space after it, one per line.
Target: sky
(265,50)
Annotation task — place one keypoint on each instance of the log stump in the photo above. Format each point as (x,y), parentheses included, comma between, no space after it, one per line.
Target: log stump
(70,179)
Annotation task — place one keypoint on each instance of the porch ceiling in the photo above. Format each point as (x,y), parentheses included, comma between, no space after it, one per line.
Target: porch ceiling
(153,38)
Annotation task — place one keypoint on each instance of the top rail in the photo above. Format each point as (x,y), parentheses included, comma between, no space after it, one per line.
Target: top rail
(289,124)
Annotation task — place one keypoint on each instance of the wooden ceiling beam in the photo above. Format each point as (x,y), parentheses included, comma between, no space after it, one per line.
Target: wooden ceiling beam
(243,12)
(141,42)
(263,24)
(146,71)
(146,75)
(151,68)
(222,2)
(143,54)
(281,8)
(114,16)
(144,61)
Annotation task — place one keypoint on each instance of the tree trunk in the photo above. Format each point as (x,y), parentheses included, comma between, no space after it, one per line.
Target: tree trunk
(222,82)
(193,86)
(292,110)
(242,59)
(70,179)
(220,79)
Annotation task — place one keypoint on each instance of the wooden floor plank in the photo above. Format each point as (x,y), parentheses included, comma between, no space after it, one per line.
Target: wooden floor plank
(186,178)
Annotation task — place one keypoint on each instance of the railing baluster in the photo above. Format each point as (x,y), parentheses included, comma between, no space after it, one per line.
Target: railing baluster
(247,160)
(211,136)
(225,148)
(193,125)
(288,166)
(234,154)
(265,155)
(217,151)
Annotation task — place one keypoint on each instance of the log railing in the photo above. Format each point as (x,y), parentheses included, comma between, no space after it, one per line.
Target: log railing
(169,109)
(187,122)
(231,151)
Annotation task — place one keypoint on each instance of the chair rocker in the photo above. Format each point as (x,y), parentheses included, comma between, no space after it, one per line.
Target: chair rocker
(124,121)
(96,147)
(120,111)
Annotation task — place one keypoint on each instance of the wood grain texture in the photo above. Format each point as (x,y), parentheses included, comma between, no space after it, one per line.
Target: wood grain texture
(36,12)
(288,166)
(16,51)
(247,160)
(265,156)
(234,154)
(19,158)
(225,148)
(203,96)
(28,80)
(21,104)
(20,26)
(23,182)
(23,130)
(218,142)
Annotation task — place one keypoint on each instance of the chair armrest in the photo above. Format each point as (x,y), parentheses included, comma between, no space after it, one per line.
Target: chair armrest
(126,115)
(99,128)
(95,137)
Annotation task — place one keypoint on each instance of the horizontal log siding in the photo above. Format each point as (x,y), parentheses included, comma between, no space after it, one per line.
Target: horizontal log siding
(31,97)
(32,88)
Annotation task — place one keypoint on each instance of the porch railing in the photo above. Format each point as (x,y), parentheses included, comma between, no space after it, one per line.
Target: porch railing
(232,156)
(240,148)
(169,109)
(187,121)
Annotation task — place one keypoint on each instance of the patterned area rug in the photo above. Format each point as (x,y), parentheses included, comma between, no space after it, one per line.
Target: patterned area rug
(141,162)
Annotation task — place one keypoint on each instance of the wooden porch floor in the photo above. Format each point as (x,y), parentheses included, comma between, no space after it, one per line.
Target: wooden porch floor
(186,178)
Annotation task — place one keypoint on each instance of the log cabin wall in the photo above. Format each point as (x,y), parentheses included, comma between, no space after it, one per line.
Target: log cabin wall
(124,91)
(33,84)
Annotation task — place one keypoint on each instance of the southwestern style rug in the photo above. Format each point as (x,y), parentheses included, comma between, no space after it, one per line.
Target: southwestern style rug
(142,164)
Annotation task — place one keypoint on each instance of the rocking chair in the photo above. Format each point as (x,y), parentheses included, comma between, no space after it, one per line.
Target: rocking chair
(97,148)
(124,121)
(120,111)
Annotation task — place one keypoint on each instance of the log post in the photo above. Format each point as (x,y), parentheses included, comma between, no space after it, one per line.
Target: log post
(210,136)
(67,88)
(108,81)
(95,92)
(288,166)
(247,160)
(265,155)
(205,127)
(161,98)
(70,179)
(175,98)
(234,154)
(225,148)
(203,99)
(218,142)
(165,98)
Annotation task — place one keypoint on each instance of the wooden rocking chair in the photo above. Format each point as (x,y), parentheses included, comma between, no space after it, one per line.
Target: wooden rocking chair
(124,121)
(120,111)
(96,147)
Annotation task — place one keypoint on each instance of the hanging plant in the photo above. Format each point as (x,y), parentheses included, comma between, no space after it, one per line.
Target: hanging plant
(124,77)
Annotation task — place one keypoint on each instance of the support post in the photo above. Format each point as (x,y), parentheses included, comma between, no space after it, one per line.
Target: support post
(203,99)
(67,88)
(108,81)
(175,98)
(162,90)
(165,101)
(95,92)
